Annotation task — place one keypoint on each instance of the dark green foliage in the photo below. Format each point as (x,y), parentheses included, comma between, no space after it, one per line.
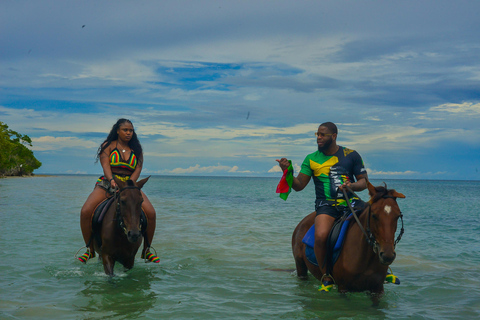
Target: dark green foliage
(15,158)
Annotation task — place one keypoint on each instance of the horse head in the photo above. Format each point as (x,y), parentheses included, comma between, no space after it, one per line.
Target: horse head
(382,221)
(129,208)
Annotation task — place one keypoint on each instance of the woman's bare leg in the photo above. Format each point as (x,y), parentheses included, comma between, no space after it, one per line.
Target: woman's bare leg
(94,199)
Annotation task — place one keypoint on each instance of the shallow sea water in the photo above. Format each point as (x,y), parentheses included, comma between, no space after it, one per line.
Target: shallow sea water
(218,239)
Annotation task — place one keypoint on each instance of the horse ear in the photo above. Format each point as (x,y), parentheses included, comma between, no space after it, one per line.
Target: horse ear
(119,182)
(371,189)
(142,182)
(397,194)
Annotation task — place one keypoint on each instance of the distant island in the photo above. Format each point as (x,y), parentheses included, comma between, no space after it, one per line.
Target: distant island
(15,158)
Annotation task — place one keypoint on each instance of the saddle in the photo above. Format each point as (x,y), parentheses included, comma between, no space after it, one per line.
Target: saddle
(99,214)
(334,242)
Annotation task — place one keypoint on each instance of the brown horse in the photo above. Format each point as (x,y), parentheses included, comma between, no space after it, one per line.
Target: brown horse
(121,231)
(368,249)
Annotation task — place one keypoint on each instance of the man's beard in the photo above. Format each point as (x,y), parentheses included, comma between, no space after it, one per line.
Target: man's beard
(326,145)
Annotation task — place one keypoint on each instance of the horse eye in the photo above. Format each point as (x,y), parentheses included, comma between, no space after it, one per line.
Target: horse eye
(375,217)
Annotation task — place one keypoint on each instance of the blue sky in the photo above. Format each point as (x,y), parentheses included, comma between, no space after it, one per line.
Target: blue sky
(227,87)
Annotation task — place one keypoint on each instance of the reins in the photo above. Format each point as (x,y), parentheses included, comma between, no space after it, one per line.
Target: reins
(370,237)
(118,217)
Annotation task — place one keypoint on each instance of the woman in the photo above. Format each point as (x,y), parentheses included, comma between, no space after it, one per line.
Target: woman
(121,156)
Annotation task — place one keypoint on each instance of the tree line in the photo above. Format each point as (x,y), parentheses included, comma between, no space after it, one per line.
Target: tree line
(15,158)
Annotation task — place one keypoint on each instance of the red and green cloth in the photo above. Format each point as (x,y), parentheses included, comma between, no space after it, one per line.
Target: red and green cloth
(285,185)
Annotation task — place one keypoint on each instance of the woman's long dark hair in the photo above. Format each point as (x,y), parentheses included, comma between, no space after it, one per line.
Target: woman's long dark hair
(134,144)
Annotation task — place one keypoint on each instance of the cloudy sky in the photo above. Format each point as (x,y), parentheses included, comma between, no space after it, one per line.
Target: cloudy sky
(227,87)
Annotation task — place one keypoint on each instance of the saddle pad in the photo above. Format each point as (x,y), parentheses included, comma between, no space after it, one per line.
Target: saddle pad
(97,218)
(335,239)
(100,211)
(99,214)
(309,237)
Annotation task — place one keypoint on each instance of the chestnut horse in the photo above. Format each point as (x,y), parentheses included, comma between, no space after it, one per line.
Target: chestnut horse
(121,232)
(368,248)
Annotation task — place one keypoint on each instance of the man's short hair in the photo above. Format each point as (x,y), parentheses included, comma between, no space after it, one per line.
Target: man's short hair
(330,126)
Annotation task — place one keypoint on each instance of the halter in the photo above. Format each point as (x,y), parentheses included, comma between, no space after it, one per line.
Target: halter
(370,237)
(118,217)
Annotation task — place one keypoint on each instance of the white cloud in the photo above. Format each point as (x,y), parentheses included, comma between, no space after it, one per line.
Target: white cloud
(391,137)
(122,71)
(276,168)
(404,174)
(47,143)
(372,173)
(75,172)
(252,97)
(24,120)
(197,169)
(469,108)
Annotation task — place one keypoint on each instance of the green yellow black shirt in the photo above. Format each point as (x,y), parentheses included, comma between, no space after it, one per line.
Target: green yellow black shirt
(330,172)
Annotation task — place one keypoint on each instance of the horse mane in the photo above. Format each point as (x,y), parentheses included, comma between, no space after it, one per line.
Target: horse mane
(381,191)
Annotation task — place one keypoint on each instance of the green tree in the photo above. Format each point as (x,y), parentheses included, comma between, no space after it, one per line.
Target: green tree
(15,158)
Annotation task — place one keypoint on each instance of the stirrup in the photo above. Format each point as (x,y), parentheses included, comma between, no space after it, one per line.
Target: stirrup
(327,285)
(86,256)
(150,257)
(391,278)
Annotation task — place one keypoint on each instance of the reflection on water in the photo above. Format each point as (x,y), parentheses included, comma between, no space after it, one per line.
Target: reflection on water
(316,305)
(121,297)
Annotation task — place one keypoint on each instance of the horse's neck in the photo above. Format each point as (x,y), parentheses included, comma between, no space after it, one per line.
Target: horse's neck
(359,250)
(111,214)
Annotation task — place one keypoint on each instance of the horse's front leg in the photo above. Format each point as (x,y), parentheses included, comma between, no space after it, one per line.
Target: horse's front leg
(128,264)
(108,264)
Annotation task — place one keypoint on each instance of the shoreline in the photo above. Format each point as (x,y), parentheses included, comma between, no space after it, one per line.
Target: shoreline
(28,176)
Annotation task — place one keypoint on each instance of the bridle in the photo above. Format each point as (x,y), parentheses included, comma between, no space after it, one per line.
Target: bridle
(119,216)
(370,237)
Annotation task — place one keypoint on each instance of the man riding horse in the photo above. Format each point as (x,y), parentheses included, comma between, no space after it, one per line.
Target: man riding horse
(334,168)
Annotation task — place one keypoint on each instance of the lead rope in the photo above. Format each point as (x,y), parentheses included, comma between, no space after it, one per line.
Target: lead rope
(369,240)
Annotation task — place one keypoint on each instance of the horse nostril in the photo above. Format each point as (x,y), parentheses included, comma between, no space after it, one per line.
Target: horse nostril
(387,259)
(133,236)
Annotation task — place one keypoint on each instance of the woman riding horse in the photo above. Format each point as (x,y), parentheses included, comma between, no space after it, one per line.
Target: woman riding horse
(121,231)
(121,156)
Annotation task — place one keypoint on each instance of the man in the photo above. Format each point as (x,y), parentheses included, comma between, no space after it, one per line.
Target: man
(333,168)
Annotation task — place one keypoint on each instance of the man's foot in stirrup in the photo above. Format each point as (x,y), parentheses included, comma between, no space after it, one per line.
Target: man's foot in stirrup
(326,286)
(391,278)
(86,256)
(150,257)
